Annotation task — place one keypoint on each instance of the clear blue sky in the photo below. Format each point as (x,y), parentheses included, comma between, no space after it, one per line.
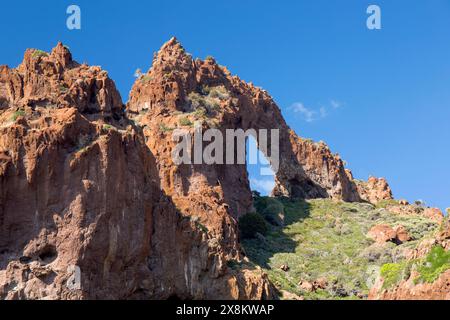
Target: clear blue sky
(392,85)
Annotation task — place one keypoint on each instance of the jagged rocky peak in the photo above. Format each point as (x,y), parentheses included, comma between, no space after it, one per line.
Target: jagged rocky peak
(170,52)
(39,61)
(62,55)
(172,77)
(55,80)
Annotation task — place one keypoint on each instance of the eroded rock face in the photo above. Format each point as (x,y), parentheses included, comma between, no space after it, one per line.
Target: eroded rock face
(382,233)
(374,190)
(54,80)
(409,289)
(434,214)
(81,199)
(90,192)
(179,91)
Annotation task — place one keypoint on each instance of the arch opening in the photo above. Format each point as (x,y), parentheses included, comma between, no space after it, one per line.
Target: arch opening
(260,174)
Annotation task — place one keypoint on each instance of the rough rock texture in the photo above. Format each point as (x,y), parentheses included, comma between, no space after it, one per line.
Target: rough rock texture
(410,290)
(80,190)
(374,190)
(55,80)
(402,234)
(434,214)
(178,90)
(382,233)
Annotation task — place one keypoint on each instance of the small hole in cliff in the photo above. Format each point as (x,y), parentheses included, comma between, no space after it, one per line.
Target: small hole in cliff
(48,254)
(25,260)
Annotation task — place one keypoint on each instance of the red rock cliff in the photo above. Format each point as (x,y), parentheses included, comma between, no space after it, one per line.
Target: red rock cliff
(87,185)
(80,190)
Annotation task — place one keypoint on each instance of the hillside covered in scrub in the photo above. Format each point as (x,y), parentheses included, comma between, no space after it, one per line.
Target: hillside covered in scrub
(325,249)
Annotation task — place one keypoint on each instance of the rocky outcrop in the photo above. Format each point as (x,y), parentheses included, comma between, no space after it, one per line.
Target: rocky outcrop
(410,288)
(82,211)
(54,81)
(383,233)
(434,214)
(374,190)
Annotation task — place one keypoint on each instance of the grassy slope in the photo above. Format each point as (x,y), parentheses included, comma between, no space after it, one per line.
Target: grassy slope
(323,238)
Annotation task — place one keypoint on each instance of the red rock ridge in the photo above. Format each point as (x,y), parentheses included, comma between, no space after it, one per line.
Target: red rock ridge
(161,97)
(80,190)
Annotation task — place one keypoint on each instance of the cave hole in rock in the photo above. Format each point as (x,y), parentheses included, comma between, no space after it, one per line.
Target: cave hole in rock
(48,254)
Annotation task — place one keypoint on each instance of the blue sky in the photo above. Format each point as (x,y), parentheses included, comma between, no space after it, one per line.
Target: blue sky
(379,98)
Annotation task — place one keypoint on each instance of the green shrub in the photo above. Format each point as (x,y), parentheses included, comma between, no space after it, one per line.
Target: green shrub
(392,274)
(208,100)
(272,212)
(219,92)
(323,238)
(165,128)
(108,127)
(256,194)
(201,227)
(251,224)
(436,262)
(63,88)
(185,122)
(386,203)
(39,53)
(200,113)
(196,100)
(18,113)
(268,205)
(146,78)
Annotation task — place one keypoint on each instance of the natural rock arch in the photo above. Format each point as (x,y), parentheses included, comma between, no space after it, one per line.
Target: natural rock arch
(307,169)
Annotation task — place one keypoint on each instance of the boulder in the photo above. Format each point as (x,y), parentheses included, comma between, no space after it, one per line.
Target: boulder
(382,233)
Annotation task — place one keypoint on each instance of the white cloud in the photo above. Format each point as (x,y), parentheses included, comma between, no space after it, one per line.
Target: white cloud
(308,114)
(263,186)
(335,104)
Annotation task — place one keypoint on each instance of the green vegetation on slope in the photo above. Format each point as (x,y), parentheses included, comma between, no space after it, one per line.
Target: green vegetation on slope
(17,114)
(435,263)
(428,268)
(327,239)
